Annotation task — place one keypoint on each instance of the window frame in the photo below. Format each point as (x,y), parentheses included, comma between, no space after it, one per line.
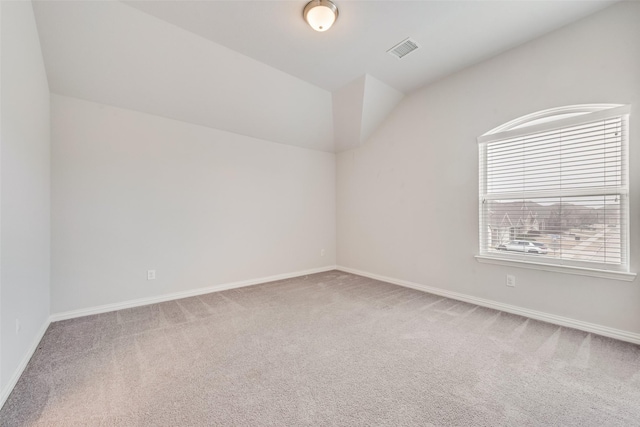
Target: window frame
(545,121)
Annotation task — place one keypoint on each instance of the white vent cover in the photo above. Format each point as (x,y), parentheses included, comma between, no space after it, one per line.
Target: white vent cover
(403,48)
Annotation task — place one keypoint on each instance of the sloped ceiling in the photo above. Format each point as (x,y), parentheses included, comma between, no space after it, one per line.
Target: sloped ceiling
(110,53)
(255,68)
(358,109)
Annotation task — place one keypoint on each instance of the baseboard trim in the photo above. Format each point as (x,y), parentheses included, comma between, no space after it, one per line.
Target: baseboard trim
(6,392)
(184,294)
(533,314)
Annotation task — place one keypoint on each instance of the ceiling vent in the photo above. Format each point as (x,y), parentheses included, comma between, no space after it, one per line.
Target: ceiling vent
(403,48)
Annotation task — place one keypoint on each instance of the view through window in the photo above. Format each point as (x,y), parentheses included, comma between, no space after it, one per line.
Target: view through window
(556,191)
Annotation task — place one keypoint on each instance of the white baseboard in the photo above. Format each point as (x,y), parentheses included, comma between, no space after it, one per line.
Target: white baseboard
(136,303)
(533,314)
(538,315)
(4,395)
(184,294)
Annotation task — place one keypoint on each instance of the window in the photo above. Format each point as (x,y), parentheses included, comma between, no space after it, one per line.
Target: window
(554,188)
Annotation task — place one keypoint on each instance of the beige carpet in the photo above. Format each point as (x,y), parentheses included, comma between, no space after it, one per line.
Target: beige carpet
(326,349)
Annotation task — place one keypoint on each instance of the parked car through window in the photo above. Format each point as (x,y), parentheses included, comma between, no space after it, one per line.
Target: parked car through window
(524,246)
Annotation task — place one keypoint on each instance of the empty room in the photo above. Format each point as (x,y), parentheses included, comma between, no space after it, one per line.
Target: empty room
(314,213)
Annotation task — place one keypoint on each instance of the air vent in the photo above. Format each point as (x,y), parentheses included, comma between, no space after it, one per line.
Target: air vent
(403,48)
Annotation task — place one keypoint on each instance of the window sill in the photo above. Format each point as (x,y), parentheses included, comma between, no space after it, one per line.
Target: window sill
(593,272)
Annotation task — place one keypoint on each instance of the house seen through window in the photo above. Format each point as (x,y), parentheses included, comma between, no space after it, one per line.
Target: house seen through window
(554,188)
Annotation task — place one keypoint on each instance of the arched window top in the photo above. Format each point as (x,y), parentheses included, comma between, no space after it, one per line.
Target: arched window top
(550,115)
(554,189)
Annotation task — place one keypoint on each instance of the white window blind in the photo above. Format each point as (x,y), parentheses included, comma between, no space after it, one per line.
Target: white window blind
(557,191)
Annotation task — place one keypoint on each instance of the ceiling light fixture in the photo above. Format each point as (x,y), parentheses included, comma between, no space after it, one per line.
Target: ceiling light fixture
(320,14)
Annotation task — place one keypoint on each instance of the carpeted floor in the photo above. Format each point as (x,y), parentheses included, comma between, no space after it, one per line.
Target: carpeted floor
(326,349)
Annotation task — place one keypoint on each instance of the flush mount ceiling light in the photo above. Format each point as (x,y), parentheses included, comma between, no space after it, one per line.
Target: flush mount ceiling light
(320,14)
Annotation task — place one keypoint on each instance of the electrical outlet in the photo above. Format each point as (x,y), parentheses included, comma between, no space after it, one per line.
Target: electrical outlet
(151,275)
(511,281)
(321,252)
(18,326)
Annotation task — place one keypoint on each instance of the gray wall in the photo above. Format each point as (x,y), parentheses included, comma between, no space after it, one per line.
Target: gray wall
(407,200)
(24,191)
(133,192)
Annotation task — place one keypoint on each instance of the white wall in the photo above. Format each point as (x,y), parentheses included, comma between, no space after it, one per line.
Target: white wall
(24,187)
(407,200)
(132,192)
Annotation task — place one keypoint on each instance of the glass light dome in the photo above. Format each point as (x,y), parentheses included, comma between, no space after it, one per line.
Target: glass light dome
(320,14)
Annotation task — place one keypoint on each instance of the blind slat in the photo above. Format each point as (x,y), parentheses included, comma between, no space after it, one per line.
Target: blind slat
(561,188)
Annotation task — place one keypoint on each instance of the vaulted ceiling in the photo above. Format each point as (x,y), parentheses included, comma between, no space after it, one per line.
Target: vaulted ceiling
(255,68)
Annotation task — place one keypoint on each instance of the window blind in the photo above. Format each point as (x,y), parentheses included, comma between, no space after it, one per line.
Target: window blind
(559,190)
